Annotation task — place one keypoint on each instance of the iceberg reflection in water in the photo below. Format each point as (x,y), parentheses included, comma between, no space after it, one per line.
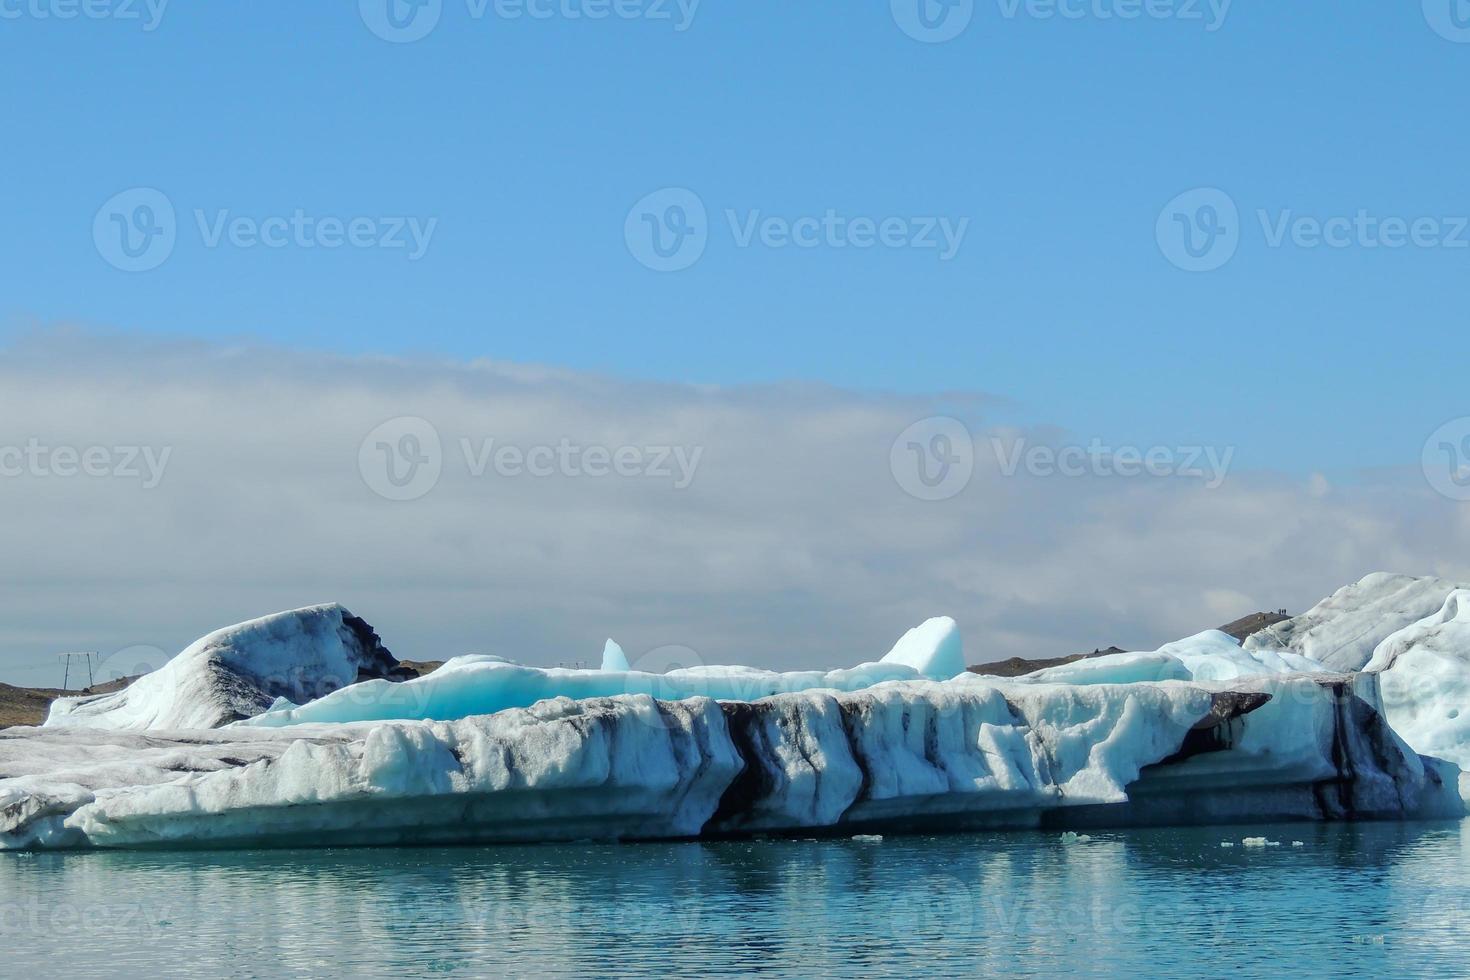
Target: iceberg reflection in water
(1353,900)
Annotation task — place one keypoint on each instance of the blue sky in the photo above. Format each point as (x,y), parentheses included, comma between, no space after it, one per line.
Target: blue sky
(528,140)
(528,155)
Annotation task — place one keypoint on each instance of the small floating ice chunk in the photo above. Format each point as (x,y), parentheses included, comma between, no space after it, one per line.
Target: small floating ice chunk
(1297,843)
(1227,843)
(1072,837)
(868,838)
(1254,842)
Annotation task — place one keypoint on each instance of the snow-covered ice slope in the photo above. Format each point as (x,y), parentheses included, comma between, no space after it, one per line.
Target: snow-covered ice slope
(1207,656)
(238,672)
(1424,670)
(1342,631)
(1415,632)
(905,756)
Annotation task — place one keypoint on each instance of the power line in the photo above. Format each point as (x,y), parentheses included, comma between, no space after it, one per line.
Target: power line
(87,658)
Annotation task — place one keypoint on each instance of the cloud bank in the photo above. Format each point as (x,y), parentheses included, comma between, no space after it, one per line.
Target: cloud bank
(556,511)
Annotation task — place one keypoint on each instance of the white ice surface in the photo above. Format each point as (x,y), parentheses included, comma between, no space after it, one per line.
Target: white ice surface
(469,686)
(933,648)
(488,749)
(1343,631)
(231,673)
(633,767)
(1208,656)
(1425,675)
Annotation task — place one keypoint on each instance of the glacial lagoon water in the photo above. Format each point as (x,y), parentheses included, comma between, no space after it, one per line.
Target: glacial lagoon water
(1364,900)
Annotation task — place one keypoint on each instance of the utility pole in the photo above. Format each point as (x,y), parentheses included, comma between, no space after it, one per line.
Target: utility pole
(86,658)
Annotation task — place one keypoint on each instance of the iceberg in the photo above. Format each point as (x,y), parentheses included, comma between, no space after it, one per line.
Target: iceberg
(296,730)
(240,671)
(901,756)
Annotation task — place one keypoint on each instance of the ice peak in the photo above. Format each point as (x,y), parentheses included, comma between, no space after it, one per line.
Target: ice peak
(613,658)
(933,648)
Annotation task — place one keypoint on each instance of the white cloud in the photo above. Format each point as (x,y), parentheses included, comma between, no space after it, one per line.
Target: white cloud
(793,546)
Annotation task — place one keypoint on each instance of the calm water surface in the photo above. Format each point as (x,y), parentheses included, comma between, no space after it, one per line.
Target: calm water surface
(1366,900)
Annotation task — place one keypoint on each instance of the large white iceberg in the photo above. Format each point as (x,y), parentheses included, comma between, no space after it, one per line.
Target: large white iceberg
(899,756)
(257,735)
